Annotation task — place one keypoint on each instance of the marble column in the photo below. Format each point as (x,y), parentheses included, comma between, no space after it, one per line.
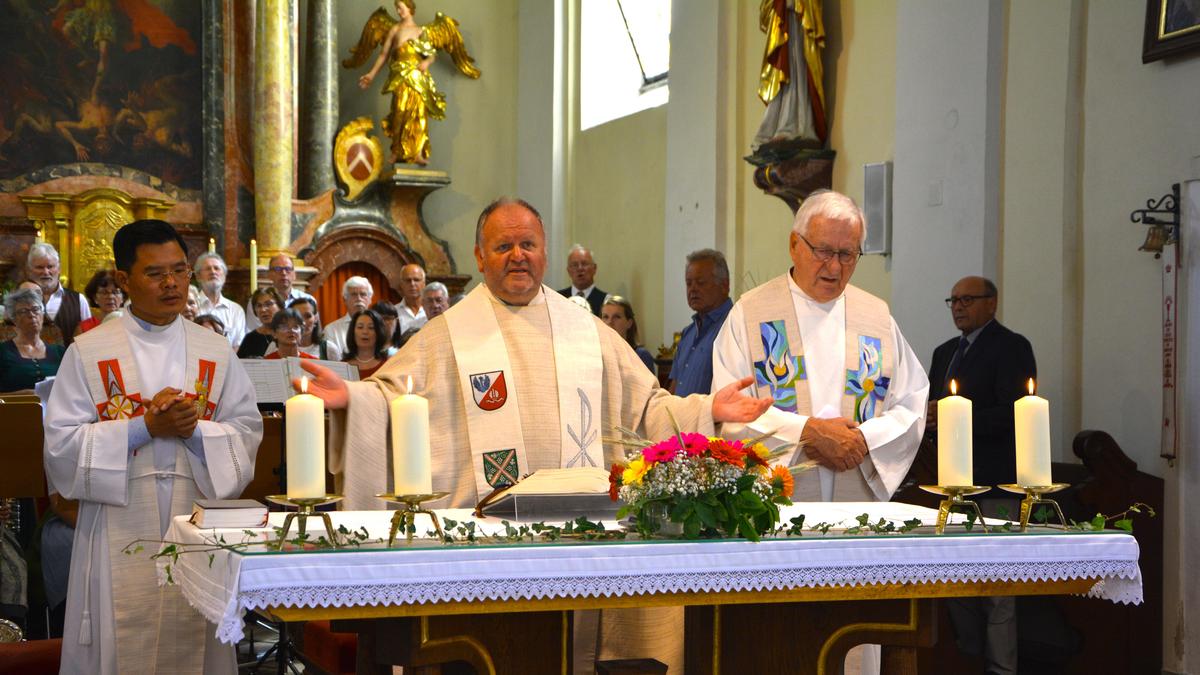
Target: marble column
(319,99)
(274,144)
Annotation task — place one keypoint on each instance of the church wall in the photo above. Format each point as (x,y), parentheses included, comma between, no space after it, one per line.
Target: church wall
(1141,134)
(617,209)
(476,143)
(860,62)
(1041,267)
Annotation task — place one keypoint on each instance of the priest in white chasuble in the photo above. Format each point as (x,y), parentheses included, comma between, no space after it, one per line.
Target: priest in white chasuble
(147,414)
(843,379)
(518,379)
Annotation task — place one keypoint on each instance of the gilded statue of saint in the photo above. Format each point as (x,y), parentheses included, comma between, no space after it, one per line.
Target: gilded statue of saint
(791,82)
(409,49)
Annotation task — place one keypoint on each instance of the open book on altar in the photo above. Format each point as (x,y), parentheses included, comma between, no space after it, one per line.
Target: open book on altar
(554,494)
(272,378)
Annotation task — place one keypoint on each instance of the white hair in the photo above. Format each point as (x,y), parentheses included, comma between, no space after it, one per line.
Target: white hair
(42,250)
(579,248)
(353,282)
(433,287)
(832,205)
(205,257)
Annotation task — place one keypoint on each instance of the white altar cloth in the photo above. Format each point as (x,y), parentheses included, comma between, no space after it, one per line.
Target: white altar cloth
(428,572)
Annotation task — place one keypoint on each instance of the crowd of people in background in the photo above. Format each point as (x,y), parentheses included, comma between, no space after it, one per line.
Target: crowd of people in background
(42,316)
(280,319)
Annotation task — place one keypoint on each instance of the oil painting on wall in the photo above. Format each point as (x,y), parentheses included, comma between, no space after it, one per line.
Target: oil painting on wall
(106,81)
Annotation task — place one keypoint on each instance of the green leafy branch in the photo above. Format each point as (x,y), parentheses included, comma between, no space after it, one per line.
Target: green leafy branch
(171,550)
(455,532)
(1120,521)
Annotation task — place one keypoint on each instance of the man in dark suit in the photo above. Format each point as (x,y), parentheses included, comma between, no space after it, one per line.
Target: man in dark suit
(991,365)
(582,270)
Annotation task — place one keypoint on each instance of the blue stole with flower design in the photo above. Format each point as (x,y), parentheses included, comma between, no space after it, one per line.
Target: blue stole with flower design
(777,351)
(777,355)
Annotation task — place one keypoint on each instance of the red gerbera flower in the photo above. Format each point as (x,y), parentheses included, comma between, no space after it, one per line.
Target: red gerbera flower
(727,452)
(694,444)
(663,451)
(614,480)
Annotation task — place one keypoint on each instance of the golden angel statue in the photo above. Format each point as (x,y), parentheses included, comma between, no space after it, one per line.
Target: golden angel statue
(409,50)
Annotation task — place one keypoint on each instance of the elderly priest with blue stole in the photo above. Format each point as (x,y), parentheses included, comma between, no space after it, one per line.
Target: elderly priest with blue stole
(519,379)
(844,382)
(147,414)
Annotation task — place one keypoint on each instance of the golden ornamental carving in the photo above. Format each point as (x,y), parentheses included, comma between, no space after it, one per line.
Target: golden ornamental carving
(357,156)
(82,226)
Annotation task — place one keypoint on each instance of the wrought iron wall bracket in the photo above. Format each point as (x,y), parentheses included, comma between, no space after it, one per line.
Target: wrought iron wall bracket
(1162,217)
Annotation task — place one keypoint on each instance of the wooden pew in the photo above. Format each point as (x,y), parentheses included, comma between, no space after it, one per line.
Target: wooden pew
(21,421)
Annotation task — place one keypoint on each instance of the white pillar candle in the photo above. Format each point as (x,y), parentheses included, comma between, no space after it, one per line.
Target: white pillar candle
(954,440)
(212,245)
(411,470)
(1031,417)
(253,265)
(304,416)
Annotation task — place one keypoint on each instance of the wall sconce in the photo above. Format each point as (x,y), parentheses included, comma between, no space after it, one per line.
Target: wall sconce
(1162,217)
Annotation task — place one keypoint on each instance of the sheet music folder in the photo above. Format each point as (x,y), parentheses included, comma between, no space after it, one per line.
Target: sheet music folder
(272,378)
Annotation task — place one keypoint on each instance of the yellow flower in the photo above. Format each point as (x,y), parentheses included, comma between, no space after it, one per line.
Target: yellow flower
(760,450)
(633,474)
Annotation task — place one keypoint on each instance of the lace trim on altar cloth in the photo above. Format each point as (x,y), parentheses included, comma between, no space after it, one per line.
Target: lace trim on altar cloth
(1120,581)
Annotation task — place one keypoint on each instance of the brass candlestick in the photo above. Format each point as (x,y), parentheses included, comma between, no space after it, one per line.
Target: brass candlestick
(1033,497)
(407,516)
(956,494)
(305,507)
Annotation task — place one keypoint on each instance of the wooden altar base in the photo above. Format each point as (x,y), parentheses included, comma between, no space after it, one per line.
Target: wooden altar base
(805,638)
(801,631)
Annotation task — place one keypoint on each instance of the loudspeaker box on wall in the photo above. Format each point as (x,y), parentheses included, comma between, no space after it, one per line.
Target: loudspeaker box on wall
(877,205)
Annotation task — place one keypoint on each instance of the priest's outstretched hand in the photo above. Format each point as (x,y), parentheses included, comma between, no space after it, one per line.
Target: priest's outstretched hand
(325,385)
(731,405)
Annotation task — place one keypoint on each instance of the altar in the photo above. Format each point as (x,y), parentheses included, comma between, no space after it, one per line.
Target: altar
(428,602)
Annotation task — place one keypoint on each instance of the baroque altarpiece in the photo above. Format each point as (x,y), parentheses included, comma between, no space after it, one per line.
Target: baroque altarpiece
(198,113)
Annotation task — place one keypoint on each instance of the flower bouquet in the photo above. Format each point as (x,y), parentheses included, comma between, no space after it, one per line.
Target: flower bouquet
(706,487)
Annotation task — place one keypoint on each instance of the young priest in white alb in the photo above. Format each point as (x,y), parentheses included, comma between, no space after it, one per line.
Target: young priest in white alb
(147,414)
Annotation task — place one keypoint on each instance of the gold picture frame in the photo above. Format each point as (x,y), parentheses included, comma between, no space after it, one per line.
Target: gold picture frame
(1172,28)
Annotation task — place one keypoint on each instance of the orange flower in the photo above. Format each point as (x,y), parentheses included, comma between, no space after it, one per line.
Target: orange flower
(781,479)
(727,452)
(614,480)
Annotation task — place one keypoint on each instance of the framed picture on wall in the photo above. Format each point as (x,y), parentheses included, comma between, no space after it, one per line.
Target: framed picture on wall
(1172,28)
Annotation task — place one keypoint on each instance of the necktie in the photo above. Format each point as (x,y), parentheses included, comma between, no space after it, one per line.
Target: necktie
(955,361)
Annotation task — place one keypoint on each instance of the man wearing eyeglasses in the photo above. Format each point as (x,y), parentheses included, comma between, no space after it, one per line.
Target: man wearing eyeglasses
(845,383)
(211,272)
(991,365)
(282,272)
(581,267)
(148,413)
